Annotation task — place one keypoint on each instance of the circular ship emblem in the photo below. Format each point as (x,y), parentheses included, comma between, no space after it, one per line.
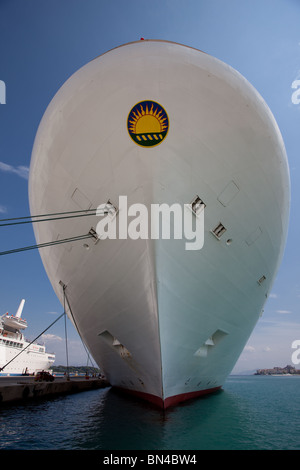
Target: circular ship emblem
(148,123)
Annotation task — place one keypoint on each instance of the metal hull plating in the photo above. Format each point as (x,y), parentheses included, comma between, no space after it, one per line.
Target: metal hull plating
(161,321)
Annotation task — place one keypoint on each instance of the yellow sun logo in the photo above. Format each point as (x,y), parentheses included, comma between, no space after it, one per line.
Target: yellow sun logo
(148,123)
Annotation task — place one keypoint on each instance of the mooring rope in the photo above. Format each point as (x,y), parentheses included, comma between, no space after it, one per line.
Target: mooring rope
(86,350)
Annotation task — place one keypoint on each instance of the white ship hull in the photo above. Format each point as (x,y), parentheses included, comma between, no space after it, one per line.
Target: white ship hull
(31,361)
(161,321)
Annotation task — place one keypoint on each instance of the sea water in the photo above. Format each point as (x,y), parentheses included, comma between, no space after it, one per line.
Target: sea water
(250,412)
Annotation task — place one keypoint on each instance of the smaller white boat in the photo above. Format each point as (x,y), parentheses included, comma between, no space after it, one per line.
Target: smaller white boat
(18,356)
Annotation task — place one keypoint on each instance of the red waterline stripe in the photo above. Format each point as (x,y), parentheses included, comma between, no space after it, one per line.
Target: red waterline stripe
(170,401)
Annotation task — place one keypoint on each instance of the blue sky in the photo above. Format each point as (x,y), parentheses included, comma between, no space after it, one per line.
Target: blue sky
(43,42)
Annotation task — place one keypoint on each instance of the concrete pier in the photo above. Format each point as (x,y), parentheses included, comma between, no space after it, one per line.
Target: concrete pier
(16,389)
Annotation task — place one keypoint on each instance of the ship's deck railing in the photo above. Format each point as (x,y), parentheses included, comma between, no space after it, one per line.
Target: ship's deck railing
(10,334)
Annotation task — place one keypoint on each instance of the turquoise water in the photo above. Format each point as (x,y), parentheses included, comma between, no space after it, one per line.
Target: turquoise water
(251,412)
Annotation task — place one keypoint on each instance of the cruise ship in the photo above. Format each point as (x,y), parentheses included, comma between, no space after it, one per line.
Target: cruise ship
(18,356)
(159,123)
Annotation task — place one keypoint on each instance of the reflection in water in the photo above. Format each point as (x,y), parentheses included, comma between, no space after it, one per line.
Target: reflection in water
(122,422)
(250,413)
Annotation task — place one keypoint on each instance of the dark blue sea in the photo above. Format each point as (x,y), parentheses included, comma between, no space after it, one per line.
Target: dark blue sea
(249,413)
